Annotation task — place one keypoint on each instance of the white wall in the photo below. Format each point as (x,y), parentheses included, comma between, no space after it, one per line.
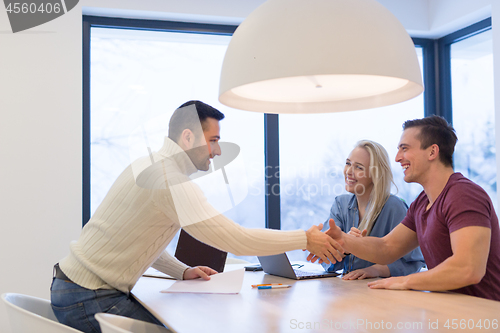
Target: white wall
(446,16)
(203,11)
(41,126)
(40,154)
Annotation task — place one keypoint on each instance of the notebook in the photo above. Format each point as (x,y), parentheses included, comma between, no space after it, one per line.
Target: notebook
(280,265)
(192,252)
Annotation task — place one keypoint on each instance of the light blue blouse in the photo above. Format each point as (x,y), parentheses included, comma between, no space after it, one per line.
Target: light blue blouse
(345,213)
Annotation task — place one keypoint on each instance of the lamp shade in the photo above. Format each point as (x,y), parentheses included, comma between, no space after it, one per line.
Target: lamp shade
(316,56)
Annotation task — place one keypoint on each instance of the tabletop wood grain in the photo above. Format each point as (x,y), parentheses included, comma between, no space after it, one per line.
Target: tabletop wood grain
(318,305)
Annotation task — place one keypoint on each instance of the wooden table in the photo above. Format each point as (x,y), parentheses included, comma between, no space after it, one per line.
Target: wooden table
(318,305)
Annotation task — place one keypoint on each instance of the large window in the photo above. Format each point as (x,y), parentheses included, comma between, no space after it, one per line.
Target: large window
(473,110)
(138,78)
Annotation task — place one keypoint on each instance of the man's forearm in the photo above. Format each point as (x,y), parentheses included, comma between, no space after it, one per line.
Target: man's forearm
(373,249)
(448,275)
(383,251)
(467,265)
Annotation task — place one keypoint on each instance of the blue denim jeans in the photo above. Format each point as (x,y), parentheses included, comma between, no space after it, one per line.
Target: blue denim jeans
(76,306)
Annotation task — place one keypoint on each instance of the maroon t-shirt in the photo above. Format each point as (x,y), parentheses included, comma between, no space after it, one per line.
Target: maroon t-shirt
(462,203)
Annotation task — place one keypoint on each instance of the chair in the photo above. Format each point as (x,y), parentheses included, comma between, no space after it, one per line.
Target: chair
(111,323)
(32,314)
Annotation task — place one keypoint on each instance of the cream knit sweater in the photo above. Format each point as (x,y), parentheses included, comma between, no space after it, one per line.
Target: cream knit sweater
(138,218)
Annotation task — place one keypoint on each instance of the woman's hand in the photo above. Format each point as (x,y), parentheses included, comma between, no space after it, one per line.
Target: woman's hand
(358,233)
(368,272)
(203,272)
(360,274)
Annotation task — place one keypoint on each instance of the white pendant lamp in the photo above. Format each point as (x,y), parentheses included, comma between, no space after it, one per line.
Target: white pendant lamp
(316,56)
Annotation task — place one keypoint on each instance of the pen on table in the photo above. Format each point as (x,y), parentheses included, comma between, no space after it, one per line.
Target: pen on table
(274,287)
(266,284)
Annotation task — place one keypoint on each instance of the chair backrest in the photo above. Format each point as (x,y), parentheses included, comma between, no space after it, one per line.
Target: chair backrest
(111,323)
(31,314)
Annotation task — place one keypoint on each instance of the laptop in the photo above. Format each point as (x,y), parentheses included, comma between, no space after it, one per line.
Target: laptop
(280,265)
(192,252)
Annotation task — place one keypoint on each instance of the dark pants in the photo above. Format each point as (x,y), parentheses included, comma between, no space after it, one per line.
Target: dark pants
(76,306)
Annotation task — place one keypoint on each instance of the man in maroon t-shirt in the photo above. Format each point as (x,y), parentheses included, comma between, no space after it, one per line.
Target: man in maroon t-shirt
(453,221)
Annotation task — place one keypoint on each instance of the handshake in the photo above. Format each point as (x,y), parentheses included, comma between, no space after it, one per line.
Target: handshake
(328,246)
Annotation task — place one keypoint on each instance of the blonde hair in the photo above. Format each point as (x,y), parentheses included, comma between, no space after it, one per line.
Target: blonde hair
(381,175)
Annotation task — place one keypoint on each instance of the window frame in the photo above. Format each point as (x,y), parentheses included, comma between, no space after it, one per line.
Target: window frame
(443,80)
(445,84)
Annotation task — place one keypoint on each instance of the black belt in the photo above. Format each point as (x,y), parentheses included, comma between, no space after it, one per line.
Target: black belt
(58,274)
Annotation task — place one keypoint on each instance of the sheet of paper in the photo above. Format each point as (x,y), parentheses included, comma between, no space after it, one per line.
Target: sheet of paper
(222,283)
(151,272)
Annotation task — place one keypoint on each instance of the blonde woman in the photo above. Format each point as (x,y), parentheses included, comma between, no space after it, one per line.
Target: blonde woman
(370,209)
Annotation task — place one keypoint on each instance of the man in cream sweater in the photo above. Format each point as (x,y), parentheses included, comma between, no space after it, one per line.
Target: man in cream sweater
(147,204)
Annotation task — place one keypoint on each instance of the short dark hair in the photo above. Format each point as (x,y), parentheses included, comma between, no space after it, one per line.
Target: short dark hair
(181,120)
(435,130)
